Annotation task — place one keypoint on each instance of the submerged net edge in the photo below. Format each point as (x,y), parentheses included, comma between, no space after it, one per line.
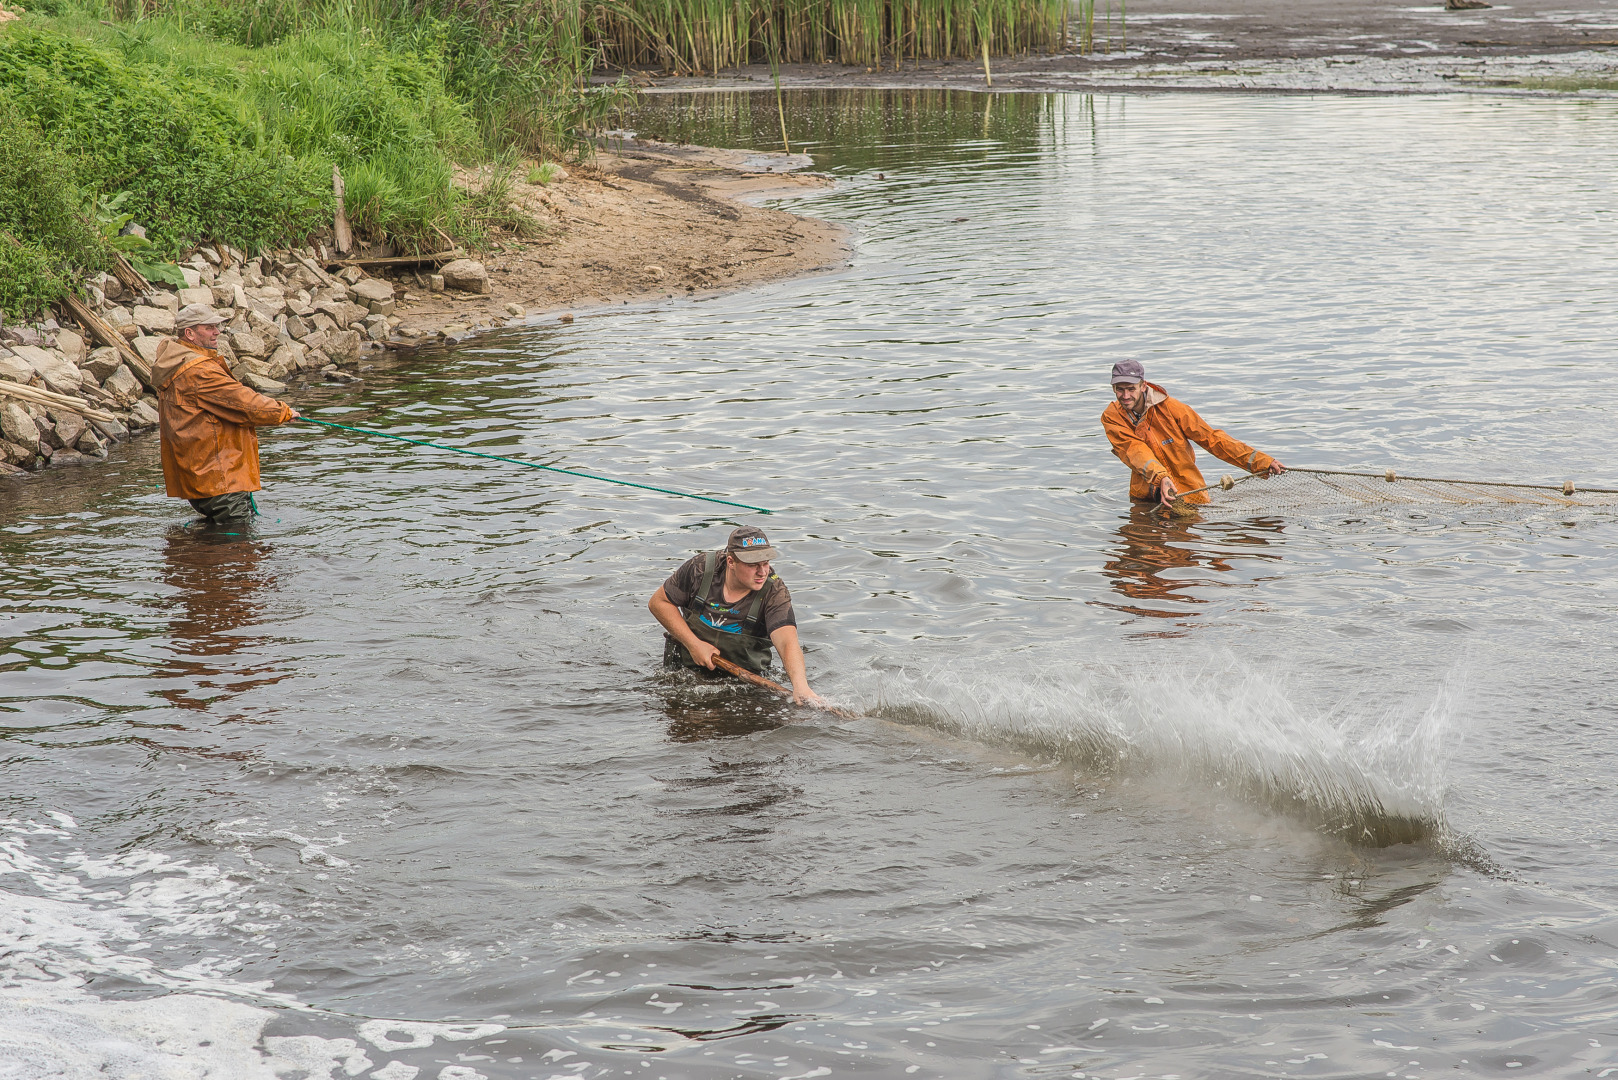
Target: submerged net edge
(1304,491)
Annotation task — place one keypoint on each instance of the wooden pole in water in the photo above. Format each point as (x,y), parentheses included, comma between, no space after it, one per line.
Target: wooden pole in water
(769,684)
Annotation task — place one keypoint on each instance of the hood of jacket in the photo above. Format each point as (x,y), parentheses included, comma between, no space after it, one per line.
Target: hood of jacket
(172,355)
(1155,395)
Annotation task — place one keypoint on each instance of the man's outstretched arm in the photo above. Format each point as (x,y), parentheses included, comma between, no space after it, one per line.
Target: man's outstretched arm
(1222,446)
(785,640)
(234,403)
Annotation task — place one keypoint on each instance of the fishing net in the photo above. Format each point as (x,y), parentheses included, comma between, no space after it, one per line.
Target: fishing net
(1321,489)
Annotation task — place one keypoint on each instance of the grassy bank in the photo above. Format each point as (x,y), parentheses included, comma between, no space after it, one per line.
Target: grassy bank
(218,121)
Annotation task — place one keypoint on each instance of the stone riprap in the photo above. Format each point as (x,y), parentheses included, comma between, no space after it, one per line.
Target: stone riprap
(286,321)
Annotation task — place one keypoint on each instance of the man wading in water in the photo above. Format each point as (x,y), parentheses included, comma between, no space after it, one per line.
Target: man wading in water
(208,421)
(1152,434)
(728,603)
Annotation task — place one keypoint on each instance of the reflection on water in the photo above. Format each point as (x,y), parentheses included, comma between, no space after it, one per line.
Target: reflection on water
(863,129)
(224,582)
(1152,546)
(701,706)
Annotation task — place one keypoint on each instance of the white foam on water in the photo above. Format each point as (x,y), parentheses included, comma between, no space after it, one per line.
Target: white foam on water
(56,1031)
(67,918)
(1372,775)
(73,917)
(385,1034)
(311,850)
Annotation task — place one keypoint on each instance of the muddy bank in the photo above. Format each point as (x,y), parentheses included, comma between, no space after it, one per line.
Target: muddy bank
(642,222)
(1303,46)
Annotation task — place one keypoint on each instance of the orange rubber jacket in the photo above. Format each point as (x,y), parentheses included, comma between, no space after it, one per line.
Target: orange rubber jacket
(1159,445)
(207,419)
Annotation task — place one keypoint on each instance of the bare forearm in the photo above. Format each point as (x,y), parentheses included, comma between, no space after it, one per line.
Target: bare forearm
(785,641)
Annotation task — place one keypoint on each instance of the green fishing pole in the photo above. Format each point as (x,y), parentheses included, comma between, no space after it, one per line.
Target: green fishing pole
(532,464)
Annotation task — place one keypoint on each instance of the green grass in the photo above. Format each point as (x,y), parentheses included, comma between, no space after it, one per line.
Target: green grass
(544,173)
(191,153)
(46,237)
(222,122)
(520,68)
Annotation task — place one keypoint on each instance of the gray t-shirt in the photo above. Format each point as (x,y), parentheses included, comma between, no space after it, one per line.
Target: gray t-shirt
(776,612)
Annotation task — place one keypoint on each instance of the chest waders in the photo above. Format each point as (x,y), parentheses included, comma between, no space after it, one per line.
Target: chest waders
(707,620)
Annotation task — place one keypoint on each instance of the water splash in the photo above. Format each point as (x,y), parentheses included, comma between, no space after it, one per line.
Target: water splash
(1372,777)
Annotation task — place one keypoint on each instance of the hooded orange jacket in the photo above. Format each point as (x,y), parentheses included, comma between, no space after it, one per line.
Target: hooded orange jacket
(1159,445)
(208,419)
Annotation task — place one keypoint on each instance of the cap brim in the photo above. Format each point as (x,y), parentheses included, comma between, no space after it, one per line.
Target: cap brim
(215,321)
(1126,382)
(755,555)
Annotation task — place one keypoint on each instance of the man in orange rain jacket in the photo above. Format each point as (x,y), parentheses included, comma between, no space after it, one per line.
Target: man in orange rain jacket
(1152,434)
(208,421)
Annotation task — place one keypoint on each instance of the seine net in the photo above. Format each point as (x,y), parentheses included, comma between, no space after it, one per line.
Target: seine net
(1320,489)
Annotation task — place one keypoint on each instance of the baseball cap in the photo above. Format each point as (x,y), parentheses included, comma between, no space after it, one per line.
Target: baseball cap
(1128,371)
(750,545)
(196,315)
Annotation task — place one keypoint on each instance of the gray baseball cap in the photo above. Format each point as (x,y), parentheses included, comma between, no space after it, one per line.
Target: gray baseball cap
(196,315)
(1128,371)
(750,545)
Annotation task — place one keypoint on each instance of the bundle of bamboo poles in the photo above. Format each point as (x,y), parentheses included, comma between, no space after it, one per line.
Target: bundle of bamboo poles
(705,36)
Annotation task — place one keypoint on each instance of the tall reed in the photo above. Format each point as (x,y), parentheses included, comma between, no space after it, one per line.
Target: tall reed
(705,36)
(1085,15)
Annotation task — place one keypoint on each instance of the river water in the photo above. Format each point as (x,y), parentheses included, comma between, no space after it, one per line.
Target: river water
(394,785)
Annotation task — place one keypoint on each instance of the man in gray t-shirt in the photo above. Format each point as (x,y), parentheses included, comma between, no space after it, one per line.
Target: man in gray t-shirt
(729,603)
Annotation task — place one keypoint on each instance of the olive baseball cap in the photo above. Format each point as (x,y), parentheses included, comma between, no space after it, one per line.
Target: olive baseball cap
(196,315)
(750,545)
(1128,371)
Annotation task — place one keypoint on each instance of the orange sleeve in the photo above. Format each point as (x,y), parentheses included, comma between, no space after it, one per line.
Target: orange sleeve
(1131,450)
(234,403)
(1216,442)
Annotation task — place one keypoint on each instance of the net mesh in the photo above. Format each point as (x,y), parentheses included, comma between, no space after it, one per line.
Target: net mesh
(1302,490)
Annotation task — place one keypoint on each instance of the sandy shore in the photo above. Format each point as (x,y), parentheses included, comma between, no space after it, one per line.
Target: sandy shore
(642,223)
(1270,45)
